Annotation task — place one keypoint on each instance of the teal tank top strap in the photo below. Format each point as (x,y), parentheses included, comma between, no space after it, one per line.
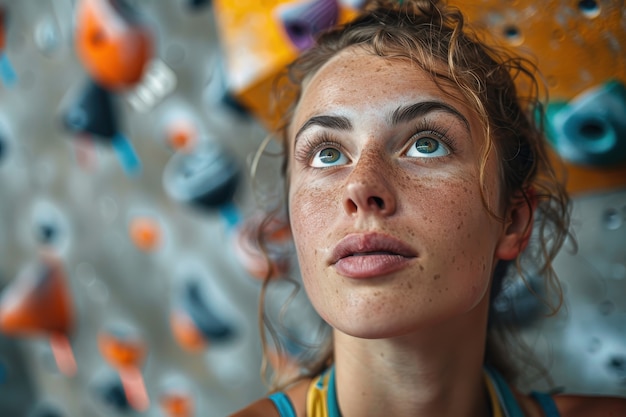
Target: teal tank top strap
(333,406)
(547,403)
(283,404)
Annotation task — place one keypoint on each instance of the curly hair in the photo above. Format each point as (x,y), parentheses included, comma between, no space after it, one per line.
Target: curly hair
(502,89)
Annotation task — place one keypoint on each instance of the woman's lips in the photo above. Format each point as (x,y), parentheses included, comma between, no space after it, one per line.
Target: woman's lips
(368,255)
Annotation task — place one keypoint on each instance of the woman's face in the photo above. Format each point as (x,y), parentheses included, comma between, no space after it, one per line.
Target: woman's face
(384,198)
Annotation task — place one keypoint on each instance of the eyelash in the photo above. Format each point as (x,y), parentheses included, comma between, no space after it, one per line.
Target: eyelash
(311,146)
(430,127)
(305,153)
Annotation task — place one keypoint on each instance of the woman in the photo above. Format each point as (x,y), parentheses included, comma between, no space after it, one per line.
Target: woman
(414,178)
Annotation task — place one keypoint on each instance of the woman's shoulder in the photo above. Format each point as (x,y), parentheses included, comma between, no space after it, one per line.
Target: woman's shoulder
(261,408)
(266,408)
(590,406)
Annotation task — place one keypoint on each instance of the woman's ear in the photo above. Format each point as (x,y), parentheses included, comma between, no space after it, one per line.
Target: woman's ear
(518,225)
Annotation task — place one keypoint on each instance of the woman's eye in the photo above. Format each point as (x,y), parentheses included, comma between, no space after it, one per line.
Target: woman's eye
(328,157)
(427,147)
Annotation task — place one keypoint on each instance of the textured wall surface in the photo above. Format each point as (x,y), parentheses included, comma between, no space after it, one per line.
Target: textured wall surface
(132,255)
(70,195)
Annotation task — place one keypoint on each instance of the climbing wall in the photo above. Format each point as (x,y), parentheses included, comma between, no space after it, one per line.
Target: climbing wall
(121,195)
(127,281)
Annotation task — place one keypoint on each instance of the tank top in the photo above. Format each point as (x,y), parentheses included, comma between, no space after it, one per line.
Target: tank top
(322,399)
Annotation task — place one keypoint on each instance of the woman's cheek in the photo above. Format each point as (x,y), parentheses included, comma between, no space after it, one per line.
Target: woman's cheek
(308,206)
(307,213)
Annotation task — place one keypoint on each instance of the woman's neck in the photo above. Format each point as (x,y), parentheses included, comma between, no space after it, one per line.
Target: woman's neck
(437,372)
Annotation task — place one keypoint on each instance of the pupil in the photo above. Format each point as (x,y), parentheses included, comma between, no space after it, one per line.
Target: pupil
(329,155)
(426,145)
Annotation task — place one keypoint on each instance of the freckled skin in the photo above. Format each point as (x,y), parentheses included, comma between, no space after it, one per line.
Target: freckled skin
(437,205)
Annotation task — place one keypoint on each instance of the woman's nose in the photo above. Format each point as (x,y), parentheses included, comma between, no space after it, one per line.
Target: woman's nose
(367,191)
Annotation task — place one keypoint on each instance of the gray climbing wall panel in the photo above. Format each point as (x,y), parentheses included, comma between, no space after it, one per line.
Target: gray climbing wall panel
(154,293)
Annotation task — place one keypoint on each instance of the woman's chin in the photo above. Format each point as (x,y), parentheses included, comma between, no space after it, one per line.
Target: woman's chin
(368,329)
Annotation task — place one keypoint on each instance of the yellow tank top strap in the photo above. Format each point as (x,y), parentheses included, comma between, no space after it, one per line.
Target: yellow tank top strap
(317,397)
(496,407)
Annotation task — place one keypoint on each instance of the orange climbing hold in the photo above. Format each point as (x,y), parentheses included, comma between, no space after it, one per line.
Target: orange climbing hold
(176,404)
(121,352)
(126,353)
(186,333)
(38,302)
(181,135)
(112,44)
(145,232)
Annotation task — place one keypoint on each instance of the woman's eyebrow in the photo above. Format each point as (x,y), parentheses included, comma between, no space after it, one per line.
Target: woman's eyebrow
(402,114)
(332,122)
(410,112)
